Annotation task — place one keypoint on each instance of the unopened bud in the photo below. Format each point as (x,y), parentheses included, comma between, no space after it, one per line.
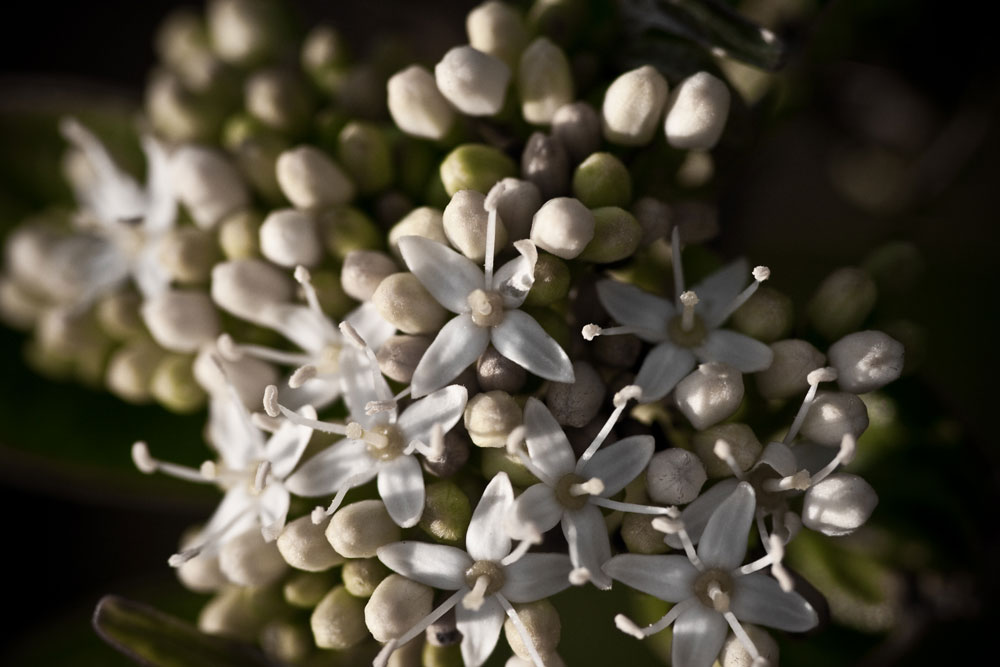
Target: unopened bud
(741,442)
(306,589)
(766,316)
(639,535)
(245,287)
(655,218)
(362,272)
(465,224)
(495,372)
(633,106)
(247,375)
(541,620)
(235,612)
(338,622)
(490,417)
(842,302)
(516,202)
(896,267)
(552,281)
(602,180)
(188,254)
(544,81)
(545,163)
(674,477)
(303,546)
(310,179)
(498,459)
(396,605)
(399,355)
(239,235)
(577,126)
(697,112)
(839,504)
(181,320)
(473,81)
(207,184)
(735,654)
(498,29)
(359,529)
(244,32)
(247,560)
(406,304)
(417,106)
(576,403)
(424,221)
(454,458)
(364,151)
(866,361)
(173,385)
(285,641)
(345,229)
(447,513)
(786,376)
(475,167)
(118,314)
(362,575)
(832,415)
(279,100)
(711,393)
(563,227)
(130,370)
(290,238)
(617,235)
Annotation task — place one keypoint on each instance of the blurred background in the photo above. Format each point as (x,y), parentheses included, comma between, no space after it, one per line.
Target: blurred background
(882,127)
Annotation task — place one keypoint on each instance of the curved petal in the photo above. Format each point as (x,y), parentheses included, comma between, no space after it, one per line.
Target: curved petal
(486,539)
(401,486)
(273,509)
(435,565)
(743,352)
(587,535)
(447,275)
(458,344)
(514,279)
(326,472)
(670,578)
(547,444)
(718,290)
(370,325)
(698,636)
(301,325)
(664,366)
(523,340)
(536,576)
(724,543)
(444,407)
(285,446)
(757,598)
(535,511)
(633,307)
(236,503)
(696,515)
(227,433)
(161,205)
(318,392)
(480,630)
(620,463)
(361,386)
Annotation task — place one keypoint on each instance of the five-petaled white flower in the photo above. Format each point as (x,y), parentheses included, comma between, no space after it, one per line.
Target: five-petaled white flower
(691,334)
(486,578)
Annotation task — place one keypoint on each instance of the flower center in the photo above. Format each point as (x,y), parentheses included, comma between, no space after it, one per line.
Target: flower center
(713,588)
(385,442)
(570,493)
(687,329)
(328,360)
(486,577)
(487,308)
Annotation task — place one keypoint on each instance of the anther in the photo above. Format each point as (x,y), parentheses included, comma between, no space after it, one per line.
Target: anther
(302,375)
(626,394)
(689,300)
(828,374)
(302,275)
(800,481)
(143,460)
(628,626)
(591,331)
(260,477)
(761,273)
(271,401)
(209,470)
(777,567)
(720,600)
(592,486)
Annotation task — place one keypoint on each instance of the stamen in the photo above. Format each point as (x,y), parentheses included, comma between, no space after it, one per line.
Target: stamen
(848,447)
(260,478)
(382,659)
(720,600)
(491,230)
(672,524)
(303,277)
(515,447)
(592,487)
(357,432)
(521,630)
(302,375)
(319,514)
(688,300)
(633,508)
(628,626)
(742,635)
(760,274)
(620,401)
(591,331)
(145,462)
(814,378)
(381,388)
(437,443)
(725,452)
(675,252)
(474,599)
(798,482)
(273,409)
(271,406)
(777,567)
(178,559)
(265,422)
(233,351)
(521,549)
(579,576)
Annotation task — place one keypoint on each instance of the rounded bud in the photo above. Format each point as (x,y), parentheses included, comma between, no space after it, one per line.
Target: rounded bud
(290,238)
(188,254)
(516,203)
(495,372)
(417,106)
(766,316)
(245,287)
(842,302)
(545,163)
(490,417)
(697,221)
(338,622)
(207,184)
(243,32)
(239,234)
(396,605)
(181,320)
(130,370)
(792,362)
(866,361)
(285,641)
(711,393)
(617,235)
(473,81)
(399,355)
(654,217)
(447,513)
(674,477)
(541,620)
(576,403)
(696,170)
(497,459)
(475,167)
(633,106)
(743,445)
(323,47)
(639,535)
(578,128)
(697,112)
(173,385)
(423,221)
(234,612)
(366,154)
(552,281)
(456,455)
(346,228)
(839,504)
(404,302)
(896,267)
(465,223)
(310,179)
(359,529)
(362,272)
(735,654)
(832,415)
(602,180)
(202,574)
(563,227)
(279,100)
(498,29)
(362,575)
(247,560)
(306,589)
(303,546)
(544,81)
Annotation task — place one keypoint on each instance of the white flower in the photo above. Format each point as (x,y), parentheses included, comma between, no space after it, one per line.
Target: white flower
(487,308)
(687,330)
(712,592)
(486,578)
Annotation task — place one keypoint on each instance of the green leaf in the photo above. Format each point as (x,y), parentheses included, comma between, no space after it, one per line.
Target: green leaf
(151,637)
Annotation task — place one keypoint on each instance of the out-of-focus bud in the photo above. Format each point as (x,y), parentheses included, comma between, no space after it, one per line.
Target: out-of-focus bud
(490,417)
(247,560)
(786,376)
(545,163)
(563,227)
(866,361)
(239,234)
(244,32)
(131,368)
(473,81)
(842,303)
(674,477)
(247,375)
(544,81)
(189,254)
(362,272)
(711,393)
(498,29)
(345,229)
(244,287)
(236,612)
(279,100)
(304,546)
(176,113)
(396,605)
(475,167)
(743,445)
(766,316)
(633,106)
(697,221)
(359,529)
(207,184)
(697,112)
(541,620)
(406,304)
(399,355)
(417,106)
(365,152)
(118,314)
(182,320)
(839,504)
(338,622)
(465,223)
(602,180)
(577,126)
(310,179)
(654,216)
(896,267)
(447,513)
(173,385)
(289,238)
(306,589)
(617,235)
(285,641)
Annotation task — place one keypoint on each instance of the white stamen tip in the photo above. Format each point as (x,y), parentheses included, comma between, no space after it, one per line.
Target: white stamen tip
(667,525)
(143,460)
(318,515)
(626,394)
(302,275)
(689,299)
(579,576)
(353,335)
(801,480)
(768,37)
(302,375)
(828,374)
(228,348)
(271,401)
(179,559)
(591,331)
(628,626)
(209,470)
(592,486)
(722,450)
(761,273)
(474,599)
(355,431)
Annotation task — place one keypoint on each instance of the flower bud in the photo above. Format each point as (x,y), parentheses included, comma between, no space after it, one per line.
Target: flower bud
(709,394)
(247,375)
(697,112)
(244,32)
(202,574)
(118,314)
(465,224)
(602,180)
(365,152)
(496,28)
(495,372)
(633,106)
(290,238)
(323,47)
(346,228)
(866,361)
(285,641)
(696,170)
(516,202)
(424,221)
(544,81)
(842,302)
(207,184)
(409,654)
(247,560)
(617,235)
(545,163)
(654,217)
(456,455)
(239,235)
(338,622)
(447,513)
(896,267)
(279,100)
(406,304)
(832,415)
(739,438)
(173,385)
(130,370)
(697,221)
(362,575)
(639,535)
(541,620)
(310,179)
(578,128)
(19,307)
(735,654)
(563,226)
(257,158)
(359,529)
(417,106)
(475,167)
(576,403)
(496,459)
(399,355)
(362,272)
(839,504)
(235,612)
(473,81)
(674,477)
(306,589)
(490,417)
(303,546)
(786,376)
(396,605)
(244,287)
(181,320)
(188,254)
(176,113)
(766,316)
(552,281)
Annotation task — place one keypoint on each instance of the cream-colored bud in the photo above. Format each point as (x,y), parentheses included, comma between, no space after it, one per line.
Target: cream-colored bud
(473,81)
(839,504)
(516,202)
(405,303)
(576,403)
(243,32)
(279,100)
(786,376)
(338,622)
(173,384)
(711,393)
(247,375)
(182,320)
(735,654)
(207,184)
(234,612)
(674,477)
(697,112)
(285,641)
(633,106)
(359,529)
(544,81)
(490,417)
(247,560)
(304,546)
(767,315)
(239,235)
(842,302)
(130,370)
(290,238)
(832,415)
(465,223)
(866,361)
(399,355)
(245,287)
(447,513)
(362,272)
(202,574)
(417,106)
(396,605)
(306,589)
(739,438)
(310,179)
(563,227)
(541,620)
(189,254)
(424,221)
(498,29)
(362,575)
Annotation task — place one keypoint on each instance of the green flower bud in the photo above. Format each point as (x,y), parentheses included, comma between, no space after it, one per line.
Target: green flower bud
(338,622)
(541,620)
(545,163)
(766,316)
(639,535)
(311,180)
(131,368)
(544,81)
(617,235)
(633,107)
(247,560)
(245,32)
(674,477)
(498,29)
(447,513)
(364,151)
(697,112)
(399,355)
(285,642)
(118,315)
(495,372)
(576,403)
(279,100)
(496,459)
(475,167)
(602,180)
(842,303)
(405,303)
(306,589)
(239,234)
(304,546)
(396,605)
(176,113)
(563,226)
(710,394)
(417,106)
(361,576)
(465,223)
(174,386)
(896,267)
(786,376)
(424,221)
(740,439)
(189,254)
(552,281)
(490,417)
(359,529)
(345,229)
(408,655)
(257,158)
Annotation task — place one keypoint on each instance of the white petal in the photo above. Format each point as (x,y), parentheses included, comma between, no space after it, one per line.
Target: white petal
(587,535)
(661,370)
(486,539)
(285,446)
(458,344)
(480,630)
(536,576)
(447,275)
(536,509)
(670,578)
(631,306)
(435,565)
(735,349)
(523,340)
(514,279)
(444,407)
(698,636)
(724,542)
(696,515)
(273,506)
(401,486)
(236,503)
(318,392)
(620,463)
(758,599)
(547,444)
(370,325)
(326,472)
(718,290)
(161,206)
(227,432)
(302,325)
(359,387)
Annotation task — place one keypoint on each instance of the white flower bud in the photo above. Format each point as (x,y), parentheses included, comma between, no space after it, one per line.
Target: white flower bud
(310,179)
(544,81)
(362,272)
(473,81)
(181,320)
(244,287)
(306,589)
(490,417)
(786,376)
(743,445)
(338,622)
(406,304)
(832,415)
(465,223)
(398,357)
(697,112)
(545,163)
(842,302)
(202,574)
(839,504)
(241,30)
(735,654)
(576,403)
(866,361)
(304,546)
(709,394)
(516,202)
(248,376)
(396,606)
(417,106)
(207,184)
(563,227)
(234,612)
(498,29)
(675,477)
(131,367)
(423,221)
(633,106)
(578,128)
(278,99)
(289,238)
(541,620)
(247,560)
(359,529)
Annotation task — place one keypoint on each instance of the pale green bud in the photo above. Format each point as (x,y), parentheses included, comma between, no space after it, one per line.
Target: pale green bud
(188,254)
(552,281)
(362,272)
(181,35)
(697,112)
(563,227)
(465,223)
(602,180)
(617,235)
(541,620)
(279,100)
(424,221)
(310,179)
(245,32)
(496,459)
(735,654)
(447,513)
(304,546)
(285,642)
(396,605)
(633,106)
(674,477)
(474,82)
(442,656)
(576,403)
(236,612)
(306,589)
(131,368)
(20,308)
(338,622)
(767,315)
(346,229)
(257,157)
(323,48)
(711,393)
(290,238)
(408,655)
(362,575)
(498,29)
(842,303)
(696,170)
(544,81)
(247,560)
(239,234)
(490,417)
(562,21)
(639,535)
(787,375)
(174,386)
(475,167)
(118,314)
(405,303)
(545,163)
(399,355)
(365,152)
(359,529)
(742,444)
(417,106)
(176,113)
